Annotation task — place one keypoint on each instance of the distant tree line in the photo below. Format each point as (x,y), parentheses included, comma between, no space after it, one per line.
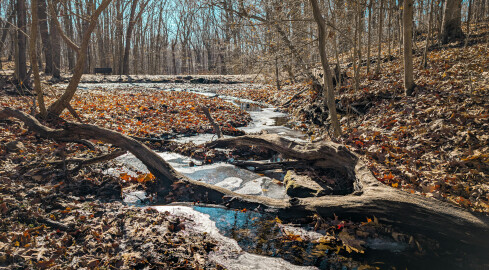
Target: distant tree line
(280,37)
(221,36)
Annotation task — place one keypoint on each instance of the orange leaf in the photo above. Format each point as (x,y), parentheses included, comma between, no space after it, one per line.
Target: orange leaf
(125,176)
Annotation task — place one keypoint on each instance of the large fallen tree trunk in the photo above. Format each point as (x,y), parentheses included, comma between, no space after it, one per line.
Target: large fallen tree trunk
(449,225)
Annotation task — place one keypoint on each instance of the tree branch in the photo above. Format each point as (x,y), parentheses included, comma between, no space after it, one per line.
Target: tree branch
(68,41)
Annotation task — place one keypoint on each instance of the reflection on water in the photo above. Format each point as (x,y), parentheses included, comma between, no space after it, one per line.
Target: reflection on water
(280,120)
(265,235)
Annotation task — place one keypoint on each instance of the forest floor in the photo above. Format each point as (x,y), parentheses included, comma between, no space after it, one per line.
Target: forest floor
(55,215)
(435,144)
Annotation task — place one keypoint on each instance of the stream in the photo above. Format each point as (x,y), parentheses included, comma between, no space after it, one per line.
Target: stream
(235,231)
(247,239)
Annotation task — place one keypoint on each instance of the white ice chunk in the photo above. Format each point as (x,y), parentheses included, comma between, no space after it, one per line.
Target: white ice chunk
(230,183)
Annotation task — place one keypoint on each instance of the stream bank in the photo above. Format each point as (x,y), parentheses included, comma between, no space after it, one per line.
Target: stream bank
(350,244)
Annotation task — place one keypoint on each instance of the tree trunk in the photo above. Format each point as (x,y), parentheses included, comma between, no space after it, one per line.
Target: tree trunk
(6,28)
(369,34)
(390,32)
(452,21)
(21,61)
(173,57)
(381,26)
(328,93)
(69,32)
(428,37)
(59,105)
(277,74)
(56,46)
(33,56)
(118,54)
(45,37)
(408,50)
(133,18)
(469,17)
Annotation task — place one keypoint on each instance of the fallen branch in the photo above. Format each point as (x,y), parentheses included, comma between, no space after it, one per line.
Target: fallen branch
(153,140)
(30,219)
(294,97)
(87,143)
(215,126)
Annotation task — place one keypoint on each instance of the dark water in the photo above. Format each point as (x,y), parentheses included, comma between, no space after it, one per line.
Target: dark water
(247,106)
(281,121)
(265,234)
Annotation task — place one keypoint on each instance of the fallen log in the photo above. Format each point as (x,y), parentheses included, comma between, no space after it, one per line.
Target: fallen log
(450,226)
(264,166)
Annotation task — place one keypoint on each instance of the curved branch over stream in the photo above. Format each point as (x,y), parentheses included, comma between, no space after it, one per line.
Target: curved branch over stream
(449,225)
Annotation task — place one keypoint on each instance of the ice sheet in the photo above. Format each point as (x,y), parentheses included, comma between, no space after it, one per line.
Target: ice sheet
(221,174)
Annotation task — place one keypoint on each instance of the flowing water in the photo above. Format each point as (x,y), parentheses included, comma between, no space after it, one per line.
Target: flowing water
(250,240)
(235,231)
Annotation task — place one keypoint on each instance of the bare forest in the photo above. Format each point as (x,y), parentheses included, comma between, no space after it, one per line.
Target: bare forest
(247,134)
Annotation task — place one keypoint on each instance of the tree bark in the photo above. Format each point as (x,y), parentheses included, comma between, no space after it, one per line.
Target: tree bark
(6,28)
(21,61)
(45,37)
(33,58)
(56,46)
(133,18)
(370,4)
(452,21)
(69,33)
(428,37)
(381,26)
(408,47)
(328,93)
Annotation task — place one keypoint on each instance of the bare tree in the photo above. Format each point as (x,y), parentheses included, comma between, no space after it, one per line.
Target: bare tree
(6,28)
(328,93)
(33,58)
(428,36)
(133,18)
(64,101)
(408,47)
(381,25)
(46,40)
(55,44)
(21,62)
(452,21)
